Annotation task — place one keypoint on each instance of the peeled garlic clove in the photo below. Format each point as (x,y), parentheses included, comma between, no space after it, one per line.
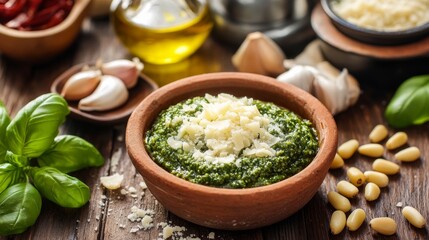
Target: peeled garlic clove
(81,84)
(259,54)
(110,93)
(126,70)
(299,76)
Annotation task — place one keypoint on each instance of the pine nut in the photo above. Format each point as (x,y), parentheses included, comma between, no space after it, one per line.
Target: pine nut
(372,192)
(410,154)
(338,222)
(384,166)
(347,189)
(398,139)
(381,179)
(371,150)
(337,162)
(383,225)
(347,149)
(414,217)
(339,202)
(356,177)
(355,219)
(378,133)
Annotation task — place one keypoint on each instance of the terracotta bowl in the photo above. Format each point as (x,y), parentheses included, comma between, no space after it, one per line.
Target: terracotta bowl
(42,45)
(232,209)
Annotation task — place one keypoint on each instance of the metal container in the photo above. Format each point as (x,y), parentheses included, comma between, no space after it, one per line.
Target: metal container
(287,22)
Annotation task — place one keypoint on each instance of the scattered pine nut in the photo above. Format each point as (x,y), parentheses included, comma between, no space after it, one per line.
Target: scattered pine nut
(337,162)
(371,150)
(338,222)
(339,202)
(383,225)
(355,219)
(356,177)
(381,179)
(372,192)
(347,189)
(347,149)
(410,154)
(414,217)
(398,139)
(384,166)
(379,133)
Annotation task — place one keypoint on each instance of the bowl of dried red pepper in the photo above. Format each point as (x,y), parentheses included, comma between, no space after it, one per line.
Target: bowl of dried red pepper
(38,30)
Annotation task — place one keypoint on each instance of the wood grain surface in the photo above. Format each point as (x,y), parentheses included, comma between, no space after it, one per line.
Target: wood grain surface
(105,216)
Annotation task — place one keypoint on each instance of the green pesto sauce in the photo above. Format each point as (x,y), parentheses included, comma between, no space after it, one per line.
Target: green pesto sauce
(293,153)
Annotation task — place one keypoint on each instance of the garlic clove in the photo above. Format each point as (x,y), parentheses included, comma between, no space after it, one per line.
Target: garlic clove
(311,55)
(259,54)
(126,70)
(110,93)
(300,76)
(351,85)
(81,84)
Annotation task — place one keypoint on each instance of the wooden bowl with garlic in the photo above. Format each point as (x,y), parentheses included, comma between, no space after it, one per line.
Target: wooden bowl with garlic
(105,93)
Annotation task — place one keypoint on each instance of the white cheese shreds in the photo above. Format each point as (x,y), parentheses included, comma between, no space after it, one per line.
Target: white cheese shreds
(147,222)
(112,182)
(211,235)
(116,156)
(384,15)
(224,128)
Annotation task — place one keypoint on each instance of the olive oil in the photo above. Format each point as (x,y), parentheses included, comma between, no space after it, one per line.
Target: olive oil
(162,31)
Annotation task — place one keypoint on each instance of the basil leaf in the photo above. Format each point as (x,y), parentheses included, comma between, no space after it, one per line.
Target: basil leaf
(35,126)
(410,103)
(20,206)
(70,153)
(10,175)
(4,122)
(60,188)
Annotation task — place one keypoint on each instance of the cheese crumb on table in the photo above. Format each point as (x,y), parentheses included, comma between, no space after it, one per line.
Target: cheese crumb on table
(112,182)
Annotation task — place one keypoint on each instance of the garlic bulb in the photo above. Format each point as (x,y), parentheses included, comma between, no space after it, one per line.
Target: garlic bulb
(300,76)
(110,93)
(336,90)
(81,84)
(259,54)
(124,69)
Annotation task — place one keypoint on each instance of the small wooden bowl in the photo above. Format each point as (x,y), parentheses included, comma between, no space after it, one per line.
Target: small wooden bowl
(36,46)
(120,114)
(232,209)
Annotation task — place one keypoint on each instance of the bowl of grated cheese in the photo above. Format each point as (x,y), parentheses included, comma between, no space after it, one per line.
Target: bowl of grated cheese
(201,114)
(381,22)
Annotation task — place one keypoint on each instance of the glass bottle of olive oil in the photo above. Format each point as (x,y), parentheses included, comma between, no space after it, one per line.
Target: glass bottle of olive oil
(161,31)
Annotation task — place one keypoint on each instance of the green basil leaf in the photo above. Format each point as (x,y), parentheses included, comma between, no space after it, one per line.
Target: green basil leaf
(35,126)
(60,188)
(10,175)
(4,122)
(70,153)
(20,206)
(410,103)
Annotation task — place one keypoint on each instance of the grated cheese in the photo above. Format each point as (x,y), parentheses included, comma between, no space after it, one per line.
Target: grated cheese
(226,126)
(384,15)
(112,182)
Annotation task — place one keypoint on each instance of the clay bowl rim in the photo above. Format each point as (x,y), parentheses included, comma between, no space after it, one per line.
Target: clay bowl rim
(79,7)
(146,166)
(374,36)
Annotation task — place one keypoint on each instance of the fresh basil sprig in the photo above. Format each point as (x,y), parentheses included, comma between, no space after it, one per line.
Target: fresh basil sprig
(31,135)
(410,103)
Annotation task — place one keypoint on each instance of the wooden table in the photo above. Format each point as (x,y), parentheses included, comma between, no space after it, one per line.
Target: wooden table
(105,216)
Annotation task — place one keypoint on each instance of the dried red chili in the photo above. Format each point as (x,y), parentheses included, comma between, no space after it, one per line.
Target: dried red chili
(28,15)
